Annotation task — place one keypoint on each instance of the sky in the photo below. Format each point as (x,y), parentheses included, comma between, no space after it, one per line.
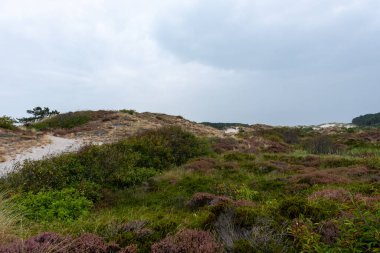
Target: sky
(288,62)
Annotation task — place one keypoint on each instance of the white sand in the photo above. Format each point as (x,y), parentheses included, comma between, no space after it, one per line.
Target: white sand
(57,146)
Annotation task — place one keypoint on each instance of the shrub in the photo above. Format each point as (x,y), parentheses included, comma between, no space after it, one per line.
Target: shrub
(340,195)
(201,165)
(319,177)
(329,232)
(190,241)
(65,121)
(294,207)
(321,144)
(7,123)
(88,243)
(65,205)
(221,145)
(128,111)
(45,242)
(201,199)
(166,146)
(51,242)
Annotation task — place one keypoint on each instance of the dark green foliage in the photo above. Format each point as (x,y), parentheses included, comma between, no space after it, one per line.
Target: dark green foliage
(167,146)
(65,121)
(243,246)
(295,207)
(367,120)
(66,205)
(222,126)
(128,111)
(38,113)
(7,123)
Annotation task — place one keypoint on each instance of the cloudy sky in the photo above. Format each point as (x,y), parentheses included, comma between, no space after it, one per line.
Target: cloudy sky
(282,62)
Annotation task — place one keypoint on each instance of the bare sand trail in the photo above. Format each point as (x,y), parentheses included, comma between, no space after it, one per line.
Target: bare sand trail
(56,146)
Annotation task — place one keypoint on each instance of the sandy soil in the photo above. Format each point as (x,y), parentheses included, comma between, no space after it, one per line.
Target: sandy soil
(56,146)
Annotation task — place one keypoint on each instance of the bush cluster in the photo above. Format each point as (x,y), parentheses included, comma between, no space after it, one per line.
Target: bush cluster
(7,123)
(65,205)
(113,166)
(64,121)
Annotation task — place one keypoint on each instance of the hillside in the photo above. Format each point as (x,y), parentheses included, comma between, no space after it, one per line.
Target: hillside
(160,183)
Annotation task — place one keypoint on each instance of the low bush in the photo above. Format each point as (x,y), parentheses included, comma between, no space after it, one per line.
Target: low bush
(340,195)
(322,144)
(7,123)
(65,121)
(190,241)
(66,205)
(128,111)
(294,207)
(52,242)
(201,199)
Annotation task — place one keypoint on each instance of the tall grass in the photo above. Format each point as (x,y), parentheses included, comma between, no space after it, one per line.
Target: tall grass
(8,219)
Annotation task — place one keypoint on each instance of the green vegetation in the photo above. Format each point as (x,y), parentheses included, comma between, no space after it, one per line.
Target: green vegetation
(38,113)
(7,123)
(222,126)
(367,120)
(166,190)
(65,205)
(65,121)
(128,111)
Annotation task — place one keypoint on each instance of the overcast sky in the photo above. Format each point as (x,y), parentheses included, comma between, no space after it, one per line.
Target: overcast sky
(277,62)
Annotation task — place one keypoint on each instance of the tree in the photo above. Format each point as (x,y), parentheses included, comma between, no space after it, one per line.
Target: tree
(367,120)
(38,113)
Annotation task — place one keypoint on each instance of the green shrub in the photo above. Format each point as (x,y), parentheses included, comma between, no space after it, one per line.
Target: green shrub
(295,207)
(128,111)
(66,205)
(166,147)
(7,123)
(65,121)
(243,246)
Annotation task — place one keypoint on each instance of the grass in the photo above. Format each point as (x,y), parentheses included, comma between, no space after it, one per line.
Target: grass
(323,202)
(8,220)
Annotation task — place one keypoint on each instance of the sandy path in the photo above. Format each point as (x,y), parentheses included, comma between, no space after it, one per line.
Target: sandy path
(55,147)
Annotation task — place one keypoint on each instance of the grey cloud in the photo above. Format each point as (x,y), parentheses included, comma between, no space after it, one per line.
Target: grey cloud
(216,33)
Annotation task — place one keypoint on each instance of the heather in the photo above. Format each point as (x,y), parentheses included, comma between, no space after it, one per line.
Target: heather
(266,189)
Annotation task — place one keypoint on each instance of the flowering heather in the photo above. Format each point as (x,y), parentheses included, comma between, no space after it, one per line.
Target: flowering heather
(189,241)
(340,195)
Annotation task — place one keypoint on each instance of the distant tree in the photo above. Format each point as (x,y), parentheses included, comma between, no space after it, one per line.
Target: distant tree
(367,120)
(38,113)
